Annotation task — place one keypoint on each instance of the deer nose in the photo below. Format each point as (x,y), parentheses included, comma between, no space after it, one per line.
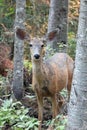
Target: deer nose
(36,56)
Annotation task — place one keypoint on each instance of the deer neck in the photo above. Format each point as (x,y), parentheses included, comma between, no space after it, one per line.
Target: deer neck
(37,68)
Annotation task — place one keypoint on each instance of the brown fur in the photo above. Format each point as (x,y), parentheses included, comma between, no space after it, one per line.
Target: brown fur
(49,76)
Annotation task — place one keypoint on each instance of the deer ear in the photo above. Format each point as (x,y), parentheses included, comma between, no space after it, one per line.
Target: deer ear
(51,35)
(21,34)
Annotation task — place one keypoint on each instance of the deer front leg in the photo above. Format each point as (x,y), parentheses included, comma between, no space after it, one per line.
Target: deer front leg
(40,110)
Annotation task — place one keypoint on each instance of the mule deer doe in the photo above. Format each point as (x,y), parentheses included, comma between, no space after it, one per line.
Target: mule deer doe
(49,76)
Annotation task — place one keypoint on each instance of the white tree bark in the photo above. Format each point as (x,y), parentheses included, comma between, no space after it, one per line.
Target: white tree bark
(58,15)
(77,113)
(18,50)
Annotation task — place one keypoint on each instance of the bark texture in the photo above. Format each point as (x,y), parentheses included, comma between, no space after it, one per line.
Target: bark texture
(18,50)
(58,20)
(77,113)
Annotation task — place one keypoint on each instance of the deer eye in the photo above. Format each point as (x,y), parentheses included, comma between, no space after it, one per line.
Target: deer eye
(42,45)
(30,45)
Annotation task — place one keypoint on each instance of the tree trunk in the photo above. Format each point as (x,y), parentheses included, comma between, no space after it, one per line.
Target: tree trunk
(77,113)
(18,51)
(58,14)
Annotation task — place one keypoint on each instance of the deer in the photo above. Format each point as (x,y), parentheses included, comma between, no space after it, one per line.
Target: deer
(49,76)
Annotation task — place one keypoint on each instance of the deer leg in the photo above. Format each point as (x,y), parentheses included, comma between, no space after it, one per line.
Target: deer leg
(40,110)
(55,108)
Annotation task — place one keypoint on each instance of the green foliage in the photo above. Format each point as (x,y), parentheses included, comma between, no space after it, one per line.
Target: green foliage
(16,116)
(7,13)
(63,93)
(71,44)
(60,122)
(3,87)
(2,79)
(49,52)
(28,64)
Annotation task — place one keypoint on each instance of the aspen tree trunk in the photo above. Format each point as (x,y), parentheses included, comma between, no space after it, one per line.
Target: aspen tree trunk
(58,15)
(77,113)
(18,51)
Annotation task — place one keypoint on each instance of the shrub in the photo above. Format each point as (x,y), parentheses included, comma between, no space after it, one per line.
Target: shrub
(15,116)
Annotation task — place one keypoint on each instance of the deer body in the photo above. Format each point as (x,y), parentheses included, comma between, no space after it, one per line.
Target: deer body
(49,76)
